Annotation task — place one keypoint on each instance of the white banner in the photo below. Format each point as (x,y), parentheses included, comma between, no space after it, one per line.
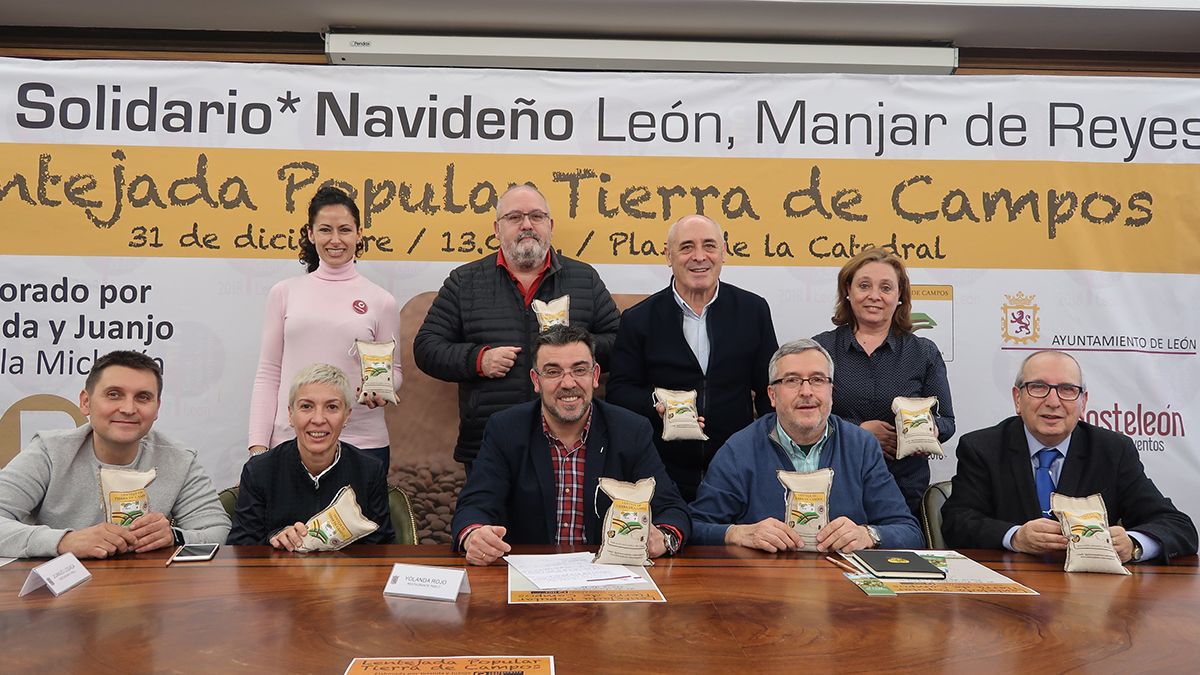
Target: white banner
(152,205)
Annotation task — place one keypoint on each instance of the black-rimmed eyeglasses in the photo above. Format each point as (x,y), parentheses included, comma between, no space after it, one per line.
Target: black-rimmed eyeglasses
(1066,392)
(795,381)
(517,217)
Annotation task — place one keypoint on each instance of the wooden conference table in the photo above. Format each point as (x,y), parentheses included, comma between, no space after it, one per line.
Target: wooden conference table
(727,611)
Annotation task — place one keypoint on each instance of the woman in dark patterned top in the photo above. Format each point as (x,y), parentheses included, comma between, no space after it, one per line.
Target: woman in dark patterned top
(877,358)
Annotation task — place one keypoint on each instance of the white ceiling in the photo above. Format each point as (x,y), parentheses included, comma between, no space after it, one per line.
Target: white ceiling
(1162,25)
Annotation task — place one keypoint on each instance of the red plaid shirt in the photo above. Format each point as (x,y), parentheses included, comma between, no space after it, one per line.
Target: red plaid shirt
(568,482)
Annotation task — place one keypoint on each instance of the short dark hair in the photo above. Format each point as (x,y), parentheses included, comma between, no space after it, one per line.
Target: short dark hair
(558,336)
(126,359)
(326,196)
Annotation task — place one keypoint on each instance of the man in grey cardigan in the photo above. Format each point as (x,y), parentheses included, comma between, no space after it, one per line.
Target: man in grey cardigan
(50,496)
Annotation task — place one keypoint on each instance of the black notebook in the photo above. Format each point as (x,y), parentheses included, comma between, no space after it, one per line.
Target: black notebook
(887,564)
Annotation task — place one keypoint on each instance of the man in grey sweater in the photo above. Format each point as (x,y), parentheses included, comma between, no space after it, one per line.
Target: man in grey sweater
(50,495)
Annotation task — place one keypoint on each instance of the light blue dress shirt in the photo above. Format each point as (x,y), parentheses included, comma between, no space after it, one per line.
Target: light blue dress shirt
(695,326)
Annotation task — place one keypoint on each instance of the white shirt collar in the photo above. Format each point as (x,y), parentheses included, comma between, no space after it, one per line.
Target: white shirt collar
(688,308)
(317,478)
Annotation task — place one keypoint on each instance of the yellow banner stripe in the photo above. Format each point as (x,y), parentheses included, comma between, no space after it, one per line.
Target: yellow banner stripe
(239,203)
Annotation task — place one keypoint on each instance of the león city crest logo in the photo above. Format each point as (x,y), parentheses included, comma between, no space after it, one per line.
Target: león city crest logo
(1020,323)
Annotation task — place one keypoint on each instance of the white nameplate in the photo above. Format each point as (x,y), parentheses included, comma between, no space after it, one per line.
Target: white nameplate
(430,583)
(59,575)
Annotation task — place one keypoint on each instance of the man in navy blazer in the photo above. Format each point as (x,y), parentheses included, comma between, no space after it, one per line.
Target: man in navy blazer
(994,499)
(535,479)
(698,333)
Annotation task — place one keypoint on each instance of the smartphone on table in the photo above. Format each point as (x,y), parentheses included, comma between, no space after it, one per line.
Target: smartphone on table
(195,552)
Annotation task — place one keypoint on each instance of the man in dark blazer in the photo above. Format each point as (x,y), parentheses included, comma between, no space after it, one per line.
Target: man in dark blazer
(698,333)
(535,478)
(995,498)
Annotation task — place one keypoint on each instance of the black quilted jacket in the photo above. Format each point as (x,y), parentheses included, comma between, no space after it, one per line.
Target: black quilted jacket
(479,306)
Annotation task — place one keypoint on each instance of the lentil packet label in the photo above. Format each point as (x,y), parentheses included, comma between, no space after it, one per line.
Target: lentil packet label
(806,503)
(1084,522)
(626,536)
(340,524)
(557,312)
(681,416)
(124,494)
(376,360)
(916,426)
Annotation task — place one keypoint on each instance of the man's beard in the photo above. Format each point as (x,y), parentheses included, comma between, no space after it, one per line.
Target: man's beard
(802,429)
(525,255)
(569,418)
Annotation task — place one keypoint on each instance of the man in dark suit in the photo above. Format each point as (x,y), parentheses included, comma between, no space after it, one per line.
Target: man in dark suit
(698,333)
(534,481)
(999,497)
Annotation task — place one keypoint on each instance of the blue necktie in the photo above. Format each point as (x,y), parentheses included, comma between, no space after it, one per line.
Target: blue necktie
(1045,483)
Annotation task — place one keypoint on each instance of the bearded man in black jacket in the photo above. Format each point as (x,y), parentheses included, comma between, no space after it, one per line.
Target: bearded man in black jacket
(481,328)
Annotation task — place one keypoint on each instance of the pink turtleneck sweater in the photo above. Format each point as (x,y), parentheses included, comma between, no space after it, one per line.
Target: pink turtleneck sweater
(316,318)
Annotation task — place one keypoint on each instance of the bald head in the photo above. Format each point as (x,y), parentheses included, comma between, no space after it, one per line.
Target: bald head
(523,192)
(1035,359)
(696,252)
(524,227)
(1049,396)
(693,220)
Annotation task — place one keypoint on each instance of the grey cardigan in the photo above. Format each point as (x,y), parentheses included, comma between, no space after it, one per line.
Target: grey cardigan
(52,487)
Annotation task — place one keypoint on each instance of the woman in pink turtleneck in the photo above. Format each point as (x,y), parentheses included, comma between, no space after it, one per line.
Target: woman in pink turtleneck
(315,319)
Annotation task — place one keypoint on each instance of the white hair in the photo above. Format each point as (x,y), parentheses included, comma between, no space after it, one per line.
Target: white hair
(322,373)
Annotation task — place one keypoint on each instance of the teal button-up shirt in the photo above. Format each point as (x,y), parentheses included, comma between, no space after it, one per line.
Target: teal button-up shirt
(805,461)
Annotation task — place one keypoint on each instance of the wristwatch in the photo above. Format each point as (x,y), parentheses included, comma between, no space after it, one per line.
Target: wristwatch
(1137,551)
(874,534)
(178,536)
(672,541)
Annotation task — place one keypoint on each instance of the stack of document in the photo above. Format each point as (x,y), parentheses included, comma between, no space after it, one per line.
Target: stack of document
(573,577)
(570,570)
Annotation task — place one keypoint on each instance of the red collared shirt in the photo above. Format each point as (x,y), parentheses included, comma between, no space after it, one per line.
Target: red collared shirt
(526,293)
(568,465)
